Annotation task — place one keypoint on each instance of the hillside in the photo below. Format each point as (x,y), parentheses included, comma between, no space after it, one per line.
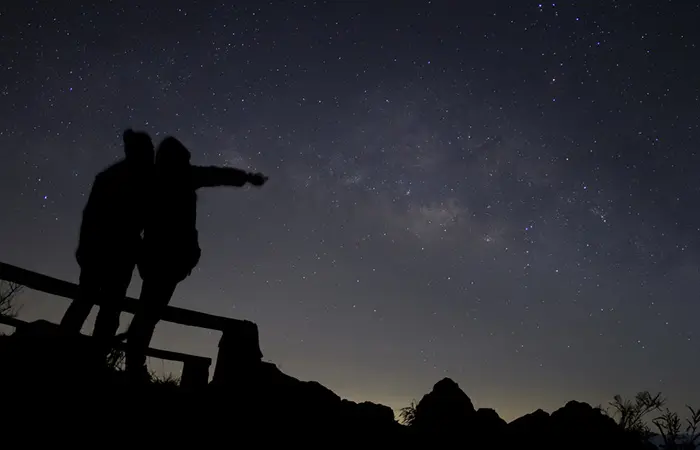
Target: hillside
(58,378)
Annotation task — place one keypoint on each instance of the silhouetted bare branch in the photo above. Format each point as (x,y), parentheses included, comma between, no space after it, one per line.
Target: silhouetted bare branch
(8,294)
(630,415)
(693,428)
(407,415)
(669,426)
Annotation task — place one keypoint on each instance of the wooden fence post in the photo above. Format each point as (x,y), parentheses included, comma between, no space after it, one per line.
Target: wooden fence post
(195,374)
(239,349)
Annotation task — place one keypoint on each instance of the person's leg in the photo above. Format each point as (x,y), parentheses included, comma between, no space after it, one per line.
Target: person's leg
(114,292)
(155,296)
(79,309)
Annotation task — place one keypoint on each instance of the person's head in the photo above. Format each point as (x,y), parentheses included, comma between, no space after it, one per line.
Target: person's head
(172,154)
(138,147)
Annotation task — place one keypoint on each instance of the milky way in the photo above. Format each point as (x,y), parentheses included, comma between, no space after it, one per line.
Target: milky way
(505,195)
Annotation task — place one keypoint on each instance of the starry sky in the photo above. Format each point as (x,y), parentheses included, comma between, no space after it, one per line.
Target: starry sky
(504,193)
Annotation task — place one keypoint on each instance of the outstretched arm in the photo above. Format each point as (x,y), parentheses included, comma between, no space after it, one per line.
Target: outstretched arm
(211,176)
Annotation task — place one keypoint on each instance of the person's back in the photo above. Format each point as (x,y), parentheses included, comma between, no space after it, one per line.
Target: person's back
(113,218)
(171,244)
(170,239)
(110,236)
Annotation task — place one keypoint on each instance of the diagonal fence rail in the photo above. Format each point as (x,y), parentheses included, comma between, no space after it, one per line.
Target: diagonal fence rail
(238,344)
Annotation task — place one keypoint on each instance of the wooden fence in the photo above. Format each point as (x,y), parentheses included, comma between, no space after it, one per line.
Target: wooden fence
(238,344)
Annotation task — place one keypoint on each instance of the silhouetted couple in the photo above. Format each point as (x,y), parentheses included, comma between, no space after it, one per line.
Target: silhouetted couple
(141,213)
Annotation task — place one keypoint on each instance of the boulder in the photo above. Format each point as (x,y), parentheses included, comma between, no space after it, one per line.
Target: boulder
(445,409)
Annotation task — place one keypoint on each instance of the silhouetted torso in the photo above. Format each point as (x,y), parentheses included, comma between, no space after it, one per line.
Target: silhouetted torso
(171,245)
(113,218)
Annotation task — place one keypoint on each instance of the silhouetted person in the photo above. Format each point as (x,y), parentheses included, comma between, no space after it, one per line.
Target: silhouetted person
(110,237)
(171,247)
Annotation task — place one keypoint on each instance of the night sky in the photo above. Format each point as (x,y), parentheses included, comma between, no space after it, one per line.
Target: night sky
(504,193)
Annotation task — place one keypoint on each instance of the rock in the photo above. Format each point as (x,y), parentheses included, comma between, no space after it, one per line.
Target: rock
(239,351)
(529,427)
(302,406)
(589,426)
(369,414)
(575,426)
(488,421)
(37,352)
(445,409)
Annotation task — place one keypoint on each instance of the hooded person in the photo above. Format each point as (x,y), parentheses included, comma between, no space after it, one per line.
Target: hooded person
(171,246)
(110,237)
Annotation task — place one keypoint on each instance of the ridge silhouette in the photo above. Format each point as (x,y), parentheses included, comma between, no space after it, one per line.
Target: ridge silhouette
(268,405)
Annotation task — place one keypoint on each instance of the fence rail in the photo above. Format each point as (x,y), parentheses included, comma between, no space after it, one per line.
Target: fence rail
(11,321)
(239,341)
(195,369)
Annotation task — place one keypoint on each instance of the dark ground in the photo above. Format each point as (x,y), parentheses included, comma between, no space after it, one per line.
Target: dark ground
(56,389)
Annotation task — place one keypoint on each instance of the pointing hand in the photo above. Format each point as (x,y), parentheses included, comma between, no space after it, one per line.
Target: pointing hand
(257,179)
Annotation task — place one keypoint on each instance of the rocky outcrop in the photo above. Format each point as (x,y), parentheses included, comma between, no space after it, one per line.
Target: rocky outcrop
(445,409)
(489,423)
(535,422)
(584,426)
(446,415)
(257,400)
(253,399)
(308,405)
(577,425)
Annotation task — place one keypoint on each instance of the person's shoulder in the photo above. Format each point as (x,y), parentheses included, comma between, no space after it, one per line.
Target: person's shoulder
(114,169)
(108,176)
